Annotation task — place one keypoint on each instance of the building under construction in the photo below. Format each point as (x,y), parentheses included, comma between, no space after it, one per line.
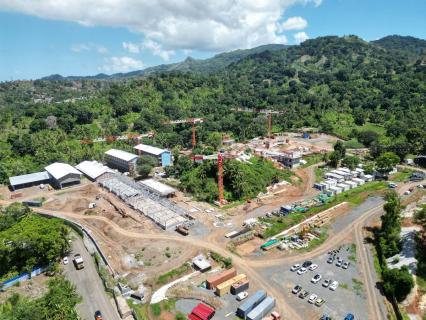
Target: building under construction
(137,196)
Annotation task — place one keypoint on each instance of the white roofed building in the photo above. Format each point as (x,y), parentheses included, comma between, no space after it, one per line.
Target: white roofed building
(93,169)
(63,175)
(162,156)
(201,263)
(29,180)
(163,190)
(121,160)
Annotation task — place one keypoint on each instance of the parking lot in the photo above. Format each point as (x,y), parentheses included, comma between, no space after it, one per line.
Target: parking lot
(348,297)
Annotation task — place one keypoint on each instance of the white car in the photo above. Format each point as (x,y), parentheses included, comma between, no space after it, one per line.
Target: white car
(301,270)
(295,267)
(316,278)
(312,298)
(313,267)
(326,283)
(242,295)
(65,260)
(334,285)
(345,265)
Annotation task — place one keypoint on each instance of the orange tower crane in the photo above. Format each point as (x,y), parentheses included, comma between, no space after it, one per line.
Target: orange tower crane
(193,121)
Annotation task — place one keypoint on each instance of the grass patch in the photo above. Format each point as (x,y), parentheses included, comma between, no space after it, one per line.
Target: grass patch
(353,144)
(172,274)
(376,262)
(421,282)
(344,286)
(401,175)
(354,197)
(358,286)
(312,159)
(156,309)
(319,174)
(345,130)
(140,309)
(352,250)
(225,262)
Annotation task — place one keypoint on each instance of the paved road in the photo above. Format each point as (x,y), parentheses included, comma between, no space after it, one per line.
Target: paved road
(89,285)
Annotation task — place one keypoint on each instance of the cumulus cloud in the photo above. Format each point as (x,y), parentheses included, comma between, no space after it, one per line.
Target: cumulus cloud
(80,47)
(157,49)
(121,64)
(294,23)
(131,47)
(300,37)
(214,25)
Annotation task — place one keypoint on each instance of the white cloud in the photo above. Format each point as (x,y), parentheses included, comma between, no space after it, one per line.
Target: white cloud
(80,47)
(131,47)
(157,49)
(300,37)
(121,64)
(294,23)
(214,25)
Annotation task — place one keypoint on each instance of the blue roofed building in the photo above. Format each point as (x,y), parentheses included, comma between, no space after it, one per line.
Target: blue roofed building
(162,156)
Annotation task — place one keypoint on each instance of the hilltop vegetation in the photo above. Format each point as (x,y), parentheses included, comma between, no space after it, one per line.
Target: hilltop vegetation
(330,83)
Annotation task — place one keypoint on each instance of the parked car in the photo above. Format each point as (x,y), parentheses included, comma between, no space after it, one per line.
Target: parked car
(295,267)
(242,295)
(296,289)
(349,316)
(319,302)
(330,260)
(325,317)
(306,264)
(65,260)
(345,265)
(326,283)
(98,315)
(313,267)
(301,271)
(303,294)
(312,298)
(339,263)
(392,185)
(334,285)
(316,278)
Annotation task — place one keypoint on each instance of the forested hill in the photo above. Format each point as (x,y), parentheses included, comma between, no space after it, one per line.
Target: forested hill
(409,47)
(340,85)
(205,66)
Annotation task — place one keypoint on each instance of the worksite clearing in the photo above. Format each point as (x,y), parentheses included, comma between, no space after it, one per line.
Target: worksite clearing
(150,239)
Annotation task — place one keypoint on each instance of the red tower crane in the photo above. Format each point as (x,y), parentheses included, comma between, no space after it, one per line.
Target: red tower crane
(193,121)
(220,156)
(268,112)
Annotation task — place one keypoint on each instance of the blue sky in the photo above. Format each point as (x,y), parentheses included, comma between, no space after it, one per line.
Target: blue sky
(76,38)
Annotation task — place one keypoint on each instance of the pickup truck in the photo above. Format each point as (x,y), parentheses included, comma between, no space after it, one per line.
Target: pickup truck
(78,261)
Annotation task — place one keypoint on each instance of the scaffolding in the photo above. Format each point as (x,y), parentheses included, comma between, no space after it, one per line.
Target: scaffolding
(163,212)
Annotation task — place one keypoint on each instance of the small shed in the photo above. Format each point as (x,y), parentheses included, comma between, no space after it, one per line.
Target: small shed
(201,263)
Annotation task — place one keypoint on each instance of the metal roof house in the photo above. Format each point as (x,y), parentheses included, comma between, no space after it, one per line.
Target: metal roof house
(29,180)
(121,160)
(163,190)
(162,156)
(63,175)
(93,169)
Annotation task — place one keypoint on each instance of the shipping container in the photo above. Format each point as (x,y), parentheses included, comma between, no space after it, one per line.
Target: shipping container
(251,302)
(239,286)
(224,287)
(33,203)
(212,282)
(269,244)
(262,309)
(231,234)
(201,311)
